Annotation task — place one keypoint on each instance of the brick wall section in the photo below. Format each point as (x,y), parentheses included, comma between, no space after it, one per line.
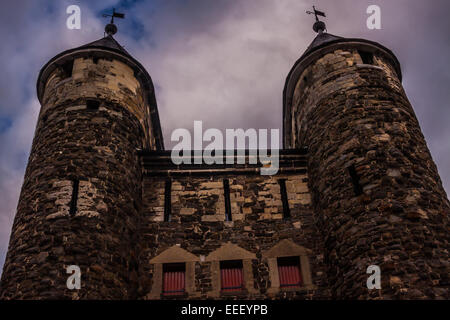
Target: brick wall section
(197,225)
(349,113)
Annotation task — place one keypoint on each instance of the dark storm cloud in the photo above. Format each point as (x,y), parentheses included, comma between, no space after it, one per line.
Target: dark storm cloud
(223,62)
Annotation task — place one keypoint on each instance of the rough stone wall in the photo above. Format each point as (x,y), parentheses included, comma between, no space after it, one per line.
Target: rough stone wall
(99,148)
(107,79)
(354,114)
(198,225)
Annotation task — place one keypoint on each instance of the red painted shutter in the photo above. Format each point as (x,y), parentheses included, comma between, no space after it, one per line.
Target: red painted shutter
(289,275)
(173,283)
(232,279)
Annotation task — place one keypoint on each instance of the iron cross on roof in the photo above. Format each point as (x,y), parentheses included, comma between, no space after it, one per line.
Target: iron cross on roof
(111,28)
(114,15)
(316,13)
(319,26)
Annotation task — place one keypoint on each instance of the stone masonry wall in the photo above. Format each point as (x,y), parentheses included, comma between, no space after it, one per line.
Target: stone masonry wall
(394,211)
(198,225)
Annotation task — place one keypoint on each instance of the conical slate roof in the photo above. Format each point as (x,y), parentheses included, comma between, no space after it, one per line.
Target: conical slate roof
(107,42)
(321,39)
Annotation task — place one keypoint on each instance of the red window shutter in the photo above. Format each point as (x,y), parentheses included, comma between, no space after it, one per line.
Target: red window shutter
(231,279)
(173,282)
(290,275)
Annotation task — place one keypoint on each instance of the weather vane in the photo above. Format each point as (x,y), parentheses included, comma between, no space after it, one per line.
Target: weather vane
(319,26)
(111,28)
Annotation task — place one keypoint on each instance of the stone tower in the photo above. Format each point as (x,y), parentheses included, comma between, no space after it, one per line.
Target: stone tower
(376,192)
(80,197)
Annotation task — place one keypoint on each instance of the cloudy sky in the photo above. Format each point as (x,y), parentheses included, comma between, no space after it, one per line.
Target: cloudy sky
(223,62)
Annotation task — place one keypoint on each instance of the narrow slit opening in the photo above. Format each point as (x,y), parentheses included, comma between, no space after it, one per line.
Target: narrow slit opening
(167,200)
(226,193)
(357,188)
(74,199)
(284,199)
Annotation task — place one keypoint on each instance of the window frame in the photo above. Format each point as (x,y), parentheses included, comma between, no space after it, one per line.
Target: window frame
(172,293)
(231,265)
(289,262)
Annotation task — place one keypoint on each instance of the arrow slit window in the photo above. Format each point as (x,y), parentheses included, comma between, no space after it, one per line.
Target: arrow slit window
(284,199)
(167,200)
(226,193)
(74,199)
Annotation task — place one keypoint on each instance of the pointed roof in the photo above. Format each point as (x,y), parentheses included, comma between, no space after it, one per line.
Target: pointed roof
(175,254)
(230,251)
(107,42)
(286,248)
(321,39)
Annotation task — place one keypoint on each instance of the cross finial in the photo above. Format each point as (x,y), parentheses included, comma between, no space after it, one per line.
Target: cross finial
(111,28)
(319,26)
